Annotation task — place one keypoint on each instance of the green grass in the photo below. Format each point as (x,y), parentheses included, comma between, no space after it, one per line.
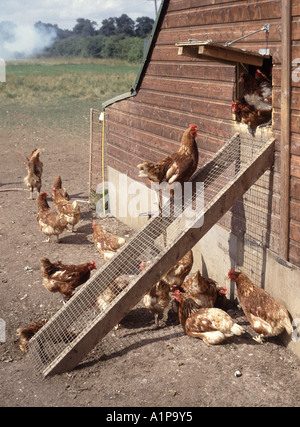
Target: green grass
(84,79)
(59,92)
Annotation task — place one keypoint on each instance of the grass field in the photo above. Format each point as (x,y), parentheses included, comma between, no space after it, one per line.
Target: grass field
(60,92)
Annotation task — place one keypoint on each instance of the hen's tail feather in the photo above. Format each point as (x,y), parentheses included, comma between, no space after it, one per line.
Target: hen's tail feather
(75,207)
(145,169)
(22,156)
(46,266)
(35,153)
(288,326)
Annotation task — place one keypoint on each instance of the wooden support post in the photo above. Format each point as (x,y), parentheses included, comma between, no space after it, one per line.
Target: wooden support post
(91,150)
(285,128)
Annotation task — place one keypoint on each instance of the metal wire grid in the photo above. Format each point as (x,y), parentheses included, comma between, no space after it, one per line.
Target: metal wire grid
(255,234)
(71,323)
(132,336)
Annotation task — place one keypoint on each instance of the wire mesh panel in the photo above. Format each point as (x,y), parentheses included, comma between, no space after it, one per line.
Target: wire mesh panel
(251,222)
(120,284)
(255,211)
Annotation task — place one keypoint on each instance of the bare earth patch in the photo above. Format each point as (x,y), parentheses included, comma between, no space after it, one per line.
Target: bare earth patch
(137,365)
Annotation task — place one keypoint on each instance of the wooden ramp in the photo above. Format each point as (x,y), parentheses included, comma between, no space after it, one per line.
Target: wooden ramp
(79,325)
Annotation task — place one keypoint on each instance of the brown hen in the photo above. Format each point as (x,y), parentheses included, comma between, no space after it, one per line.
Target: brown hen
(70,210)
(267,317)
(59,189)
(178,166)
(34,168)
(212,325)
(62,278)
(204,291)
(105,242)
(50,223)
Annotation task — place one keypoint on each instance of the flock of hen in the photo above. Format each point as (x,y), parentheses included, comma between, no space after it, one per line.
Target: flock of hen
(255,107)
(201,304)
(58,277)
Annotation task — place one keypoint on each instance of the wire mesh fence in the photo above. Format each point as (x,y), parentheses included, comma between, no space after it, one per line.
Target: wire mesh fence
(119,285)
(255,233)
(254,215)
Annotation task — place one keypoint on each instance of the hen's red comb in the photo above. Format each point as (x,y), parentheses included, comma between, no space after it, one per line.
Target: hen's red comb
(177,295)
(231,272)
(194,126)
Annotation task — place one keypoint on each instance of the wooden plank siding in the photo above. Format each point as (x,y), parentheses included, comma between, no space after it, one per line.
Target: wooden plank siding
(294,245)
(175,91)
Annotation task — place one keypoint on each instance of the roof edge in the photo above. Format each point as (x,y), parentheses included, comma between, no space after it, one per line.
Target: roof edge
(135,87)
(118,98)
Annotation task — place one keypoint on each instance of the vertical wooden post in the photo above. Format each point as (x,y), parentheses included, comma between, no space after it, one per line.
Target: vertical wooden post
(285,128)
(103,161)
(91,151)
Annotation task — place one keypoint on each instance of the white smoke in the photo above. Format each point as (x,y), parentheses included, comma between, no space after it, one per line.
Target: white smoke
(23,41)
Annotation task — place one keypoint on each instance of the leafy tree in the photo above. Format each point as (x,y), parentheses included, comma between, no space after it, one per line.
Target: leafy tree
(112,47)
(117,38)
(125,25)
(50,28)
(108,27)
(132,49)
(84,27)
(70,46)
(93,46)
(144,26)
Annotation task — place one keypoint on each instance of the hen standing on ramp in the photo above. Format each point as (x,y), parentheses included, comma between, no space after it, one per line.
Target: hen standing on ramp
(178,166)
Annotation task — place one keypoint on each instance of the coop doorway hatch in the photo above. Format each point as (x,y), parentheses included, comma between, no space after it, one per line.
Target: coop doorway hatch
(220,52)
(78,326)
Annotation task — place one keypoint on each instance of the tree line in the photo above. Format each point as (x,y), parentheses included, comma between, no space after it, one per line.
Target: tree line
(120,38)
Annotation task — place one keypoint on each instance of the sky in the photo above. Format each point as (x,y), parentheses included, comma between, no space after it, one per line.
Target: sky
(27,41)
(65,12)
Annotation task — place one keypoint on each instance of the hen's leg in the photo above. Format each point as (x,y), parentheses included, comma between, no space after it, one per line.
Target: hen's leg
(259,339)
(31,194)
(156,320)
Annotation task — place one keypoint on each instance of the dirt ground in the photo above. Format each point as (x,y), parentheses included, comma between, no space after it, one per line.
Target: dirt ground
(137,365)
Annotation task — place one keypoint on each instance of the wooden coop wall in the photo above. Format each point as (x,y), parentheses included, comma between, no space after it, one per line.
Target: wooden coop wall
(174,91)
